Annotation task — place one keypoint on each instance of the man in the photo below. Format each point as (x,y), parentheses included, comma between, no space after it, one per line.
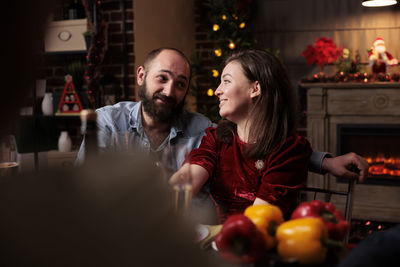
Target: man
(160,126)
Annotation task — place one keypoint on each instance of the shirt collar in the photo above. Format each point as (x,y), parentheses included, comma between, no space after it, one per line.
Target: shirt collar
(135,121)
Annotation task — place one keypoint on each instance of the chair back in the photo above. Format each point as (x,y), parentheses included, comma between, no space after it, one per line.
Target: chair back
(349,194)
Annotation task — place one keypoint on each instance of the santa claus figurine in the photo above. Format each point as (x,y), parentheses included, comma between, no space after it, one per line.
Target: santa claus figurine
(379,57)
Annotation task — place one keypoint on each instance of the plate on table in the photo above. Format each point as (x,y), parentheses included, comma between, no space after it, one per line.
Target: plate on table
(202,232)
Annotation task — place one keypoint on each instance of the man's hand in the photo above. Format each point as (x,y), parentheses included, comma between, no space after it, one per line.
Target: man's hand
(350,166)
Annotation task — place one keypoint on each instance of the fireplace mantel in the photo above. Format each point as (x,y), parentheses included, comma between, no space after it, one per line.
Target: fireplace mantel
(333,104)
(350,85)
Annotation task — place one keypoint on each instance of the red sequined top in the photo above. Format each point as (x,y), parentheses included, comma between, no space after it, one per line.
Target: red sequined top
(236,181)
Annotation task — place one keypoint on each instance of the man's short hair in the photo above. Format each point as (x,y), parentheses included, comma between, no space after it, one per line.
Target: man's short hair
(154,53)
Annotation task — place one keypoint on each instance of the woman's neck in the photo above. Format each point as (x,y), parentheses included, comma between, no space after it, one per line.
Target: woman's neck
(243,131)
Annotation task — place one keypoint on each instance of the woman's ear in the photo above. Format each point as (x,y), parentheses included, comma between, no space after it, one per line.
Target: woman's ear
(140,75)
(255,89)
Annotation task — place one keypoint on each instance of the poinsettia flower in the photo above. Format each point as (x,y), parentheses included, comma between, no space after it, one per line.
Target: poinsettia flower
(309,55)
(323,52)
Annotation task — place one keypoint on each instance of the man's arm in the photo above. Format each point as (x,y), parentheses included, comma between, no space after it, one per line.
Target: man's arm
(350,165)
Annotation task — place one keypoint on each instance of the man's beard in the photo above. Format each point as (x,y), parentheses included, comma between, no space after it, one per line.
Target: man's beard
(160,112)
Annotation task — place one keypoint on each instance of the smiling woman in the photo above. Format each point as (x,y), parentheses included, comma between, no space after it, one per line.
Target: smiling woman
(236,93)
(253,156)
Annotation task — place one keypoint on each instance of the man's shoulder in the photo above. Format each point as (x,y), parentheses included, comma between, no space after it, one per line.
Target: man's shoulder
(119,109)
(195,123)
(118,114)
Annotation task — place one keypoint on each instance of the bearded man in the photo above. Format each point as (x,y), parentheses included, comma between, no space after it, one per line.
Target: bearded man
(157,124)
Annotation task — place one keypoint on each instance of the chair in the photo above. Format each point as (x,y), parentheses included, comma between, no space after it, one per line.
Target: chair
(328,193)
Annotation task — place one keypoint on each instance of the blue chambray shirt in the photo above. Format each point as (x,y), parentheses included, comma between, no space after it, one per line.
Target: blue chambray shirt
(114,121)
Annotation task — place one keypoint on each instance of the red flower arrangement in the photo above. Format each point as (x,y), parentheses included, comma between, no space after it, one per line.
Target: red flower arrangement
(323,52)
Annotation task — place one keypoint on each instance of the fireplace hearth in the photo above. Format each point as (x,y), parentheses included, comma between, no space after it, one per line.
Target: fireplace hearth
(379,144)
(362,118)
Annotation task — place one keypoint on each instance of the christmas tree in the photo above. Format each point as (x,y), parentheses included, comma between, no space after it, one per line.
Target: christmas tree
(226,28)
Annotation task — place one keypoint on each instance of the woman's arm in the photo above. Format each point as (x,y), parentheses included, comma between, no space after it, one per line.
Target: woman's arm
(285,173)
(190,173)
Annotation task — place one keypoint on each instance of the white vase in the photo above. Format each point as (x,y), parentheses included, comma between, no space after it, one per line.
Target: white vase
(64,142)
(47,104)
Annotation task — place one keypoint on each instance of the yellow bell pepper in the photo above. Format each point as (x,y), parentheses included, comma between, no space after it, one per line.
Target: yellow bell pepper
(266,218)
(302,240)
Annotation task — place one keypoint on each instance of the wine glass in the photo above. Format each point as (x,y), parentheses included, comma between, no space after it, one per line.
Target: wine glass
(183,191)
(8,156)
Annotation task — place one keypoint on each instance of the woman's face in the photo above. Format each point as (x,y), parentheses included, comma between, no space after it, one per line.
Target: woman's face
(234,93)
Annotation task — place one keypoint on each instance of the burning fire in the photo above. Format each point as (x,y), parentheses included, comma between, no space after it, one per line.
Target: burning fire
(383,166)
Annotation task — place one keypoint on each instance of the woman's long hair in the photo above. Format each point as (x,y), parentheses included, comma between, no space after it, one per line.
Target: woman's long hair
(273,117)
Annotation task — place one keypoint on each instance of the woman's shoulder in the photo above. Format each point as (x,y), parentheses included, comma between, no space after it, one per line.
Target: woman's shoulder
(211,133)
(296,143)
(294,148)
(297,139)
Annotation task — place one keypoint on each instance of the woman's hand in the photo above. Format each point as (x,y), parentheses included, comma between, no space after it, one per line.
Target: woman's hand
(192,174)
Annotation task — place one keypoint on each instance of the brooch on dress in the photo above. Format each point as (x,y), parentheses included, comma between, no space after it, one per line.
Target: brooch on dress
(259,164)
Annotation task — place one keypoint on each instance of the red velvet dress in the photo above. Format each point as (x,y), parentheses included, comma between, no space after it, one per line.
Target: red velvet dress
(235,182)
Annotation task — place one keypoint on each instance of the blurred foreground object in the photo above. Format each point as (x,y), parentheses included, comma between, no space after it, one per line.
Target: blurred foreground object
(301,240)
(239,240)
(333,219)
(89,131)
(8,156)
(112,211)
(266,218)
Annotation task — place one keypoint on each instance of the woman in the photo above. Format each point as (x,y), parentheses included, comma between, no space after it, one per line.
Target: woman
(254,156)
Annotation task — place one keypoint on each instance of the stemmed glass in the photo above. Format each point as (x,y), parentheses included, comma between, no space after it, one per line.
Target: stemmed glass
(183,191)
(8,156)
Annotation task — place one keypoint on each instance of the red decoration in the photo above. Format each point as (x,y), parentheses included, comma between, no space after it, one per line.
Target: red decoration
(69,104)
(333,219)
(323,52)
(379,58)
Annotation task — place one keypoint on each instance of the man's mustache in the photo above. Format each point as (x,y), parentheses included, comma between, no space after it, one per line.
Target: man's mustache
(166,99)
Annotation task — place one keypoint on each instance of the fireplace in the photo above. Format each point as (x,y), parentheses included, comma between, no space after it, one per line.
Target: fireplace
(363,118)
(379,144)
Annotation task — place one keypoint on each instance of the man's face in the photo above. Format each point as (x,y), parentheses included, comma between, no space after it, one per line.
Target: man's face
(163,86)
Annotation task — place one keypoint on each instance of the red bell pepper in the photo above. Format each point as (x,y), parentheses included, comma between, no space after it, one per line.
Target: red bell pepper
(239,240)
(334,221)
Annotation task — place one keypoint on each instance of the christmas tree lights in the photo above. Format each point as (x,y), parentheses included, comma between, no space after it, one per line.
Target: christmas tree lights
(225,27)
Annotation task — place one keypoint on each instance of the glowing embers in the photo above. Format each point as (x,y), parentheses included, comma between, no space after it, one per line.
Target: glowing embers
(389,167)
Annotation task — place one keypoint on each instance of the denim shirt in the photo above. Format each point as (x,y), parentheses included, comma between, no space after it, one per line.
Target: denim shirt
(125,117)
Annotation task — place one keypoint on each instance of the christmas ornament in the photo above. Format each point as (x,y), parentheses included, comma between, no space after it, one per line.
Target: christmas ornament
(379,58)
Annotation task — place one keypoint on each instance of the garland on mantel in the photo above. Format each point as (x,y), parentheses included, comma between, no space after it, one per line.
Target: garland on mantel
(356,77)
